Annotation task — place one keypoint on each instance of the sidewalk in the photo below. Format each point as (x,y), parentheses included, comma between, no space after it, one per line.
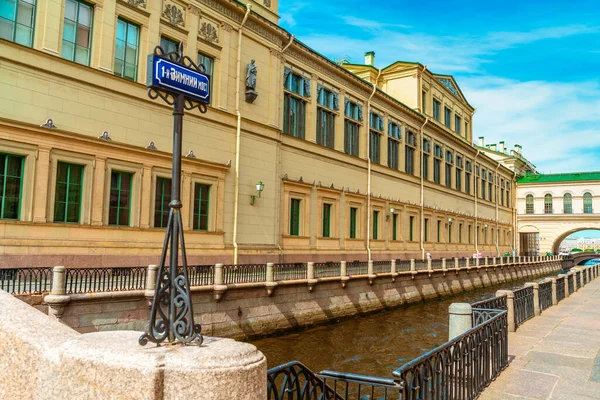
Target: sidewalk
(555,355)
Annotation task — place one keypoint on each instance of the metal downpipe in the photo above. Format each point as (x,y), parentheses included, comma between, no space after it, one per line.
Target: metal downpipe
(497,232)
(422,192)
(369,166)
(476,193)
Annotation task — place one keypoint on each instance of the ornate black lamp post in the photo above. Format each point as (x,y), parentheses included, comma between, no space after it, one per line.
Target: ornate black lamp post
(180,82)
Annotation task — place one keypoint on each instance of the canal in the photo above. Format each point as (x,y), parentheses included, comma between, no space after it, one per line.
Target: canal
(374,344)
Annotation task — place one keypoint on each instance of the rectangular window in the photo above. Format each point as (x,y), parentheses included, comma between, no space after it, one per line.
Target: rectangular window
(77,31)
(460,229)
(326,220)
(409,153)
(351,138)
(162,198)
(426,151)
(457,124)
(437,110)
(423,102)
(426,230)
(458,177)
(67,197)
(439,231)
(353,212)
(466,129)
(483,178)
(394,226)
(201,206)
(449,232)
(11,181)
(447,117)
(325,128)
(490,189)
(374,146)
(120,198)
(449,164)
(437,163)
(394,136)
(17,21)
(295,217)
(294,115)
(411,229)
(469,234)
(168,45)
(209,68)
(375,225)
(126,50)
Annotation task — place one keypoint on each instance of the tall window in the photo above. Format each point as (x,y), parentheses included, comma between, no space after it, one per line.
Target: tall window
(77,31)
(162,198)
(295,217)
(426,230)
(426,155)
(466,128)
(439,231)
(201,206)
(294,105)
(353,215)
(120,198)
(483,182)
(411,228)
(327,104)
(501,192)
(168,45)
(529,204)
(394,136)
(409,153)
(548,204)
(587,203)
(460,229)
(17,19)
(490,186)
(67,197)
(127,48)
(449,164)
(394,226)
(476,185)
(375,225)
(326,220)
(11,180)
(423,102)
(449,232)
(458,178)
(468,171)
(457,124)
(437,163)
(353,114)
(469,233)
(507,194)
(209,68)
(448,117)
(568,203)
(437,110)
(376,124)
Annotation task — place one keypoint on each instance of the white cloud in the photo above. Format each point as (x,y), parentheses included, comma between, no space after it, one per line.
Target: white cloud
(370,24)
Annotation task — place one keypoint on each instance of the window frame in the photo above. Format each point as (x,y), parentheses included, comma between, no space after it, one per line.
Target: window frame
(129,208)
(3,186)
(437,110)
(376,129)
(568,205)
(127,23)
(296,93)
(67,190)
(91,31)
(588,203)
(529,205)
(326,216)
(410,147)
(15,23)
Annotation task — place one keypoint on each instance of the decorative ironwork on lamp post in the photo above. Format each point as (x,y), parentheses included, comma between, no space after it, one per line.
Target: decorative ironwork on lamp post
(182,83)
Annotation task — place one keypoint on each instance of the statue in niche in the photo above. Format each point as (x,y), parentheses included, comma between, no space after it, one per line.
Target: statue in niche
(251,72)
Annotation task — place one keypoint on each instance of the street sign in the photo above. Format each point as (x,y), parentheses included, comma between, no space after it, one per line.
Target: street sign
(177,79)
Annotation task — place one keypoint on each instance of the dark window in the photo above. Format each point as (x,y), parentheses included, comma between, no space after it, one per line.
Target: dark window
(548,204)
(460,229)
(374,146)
(209,68)
(326,220)
(126,50)
(469,234)
(325,128)
(162,198)
(483,178)
(449,232)
(17,21)
(411,228)
(426,230)
(11,181)
(120,198)
(394,136)
(457,124)
(394,226)
(423,102)
(439,231)
(437,163)
(201,206)
(447,117)
(437,110)
(77,31)
(375,225)
(67,198)
(168,45)
(294,106)
(529,204)
(426,152)
(351,138)
(587,203)
(295,217)
(353,212)
(458,177)
(449,164)
(568,203)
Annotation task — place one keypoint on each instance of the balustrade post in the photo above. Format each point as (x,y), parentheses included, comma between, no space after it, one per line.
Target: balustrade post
(554,297)
(219,287)
(310,270)
(150,283)
(574,281)
(460,319)
(456,263)
(412,265)
(270,284)
(510,307)
(536,297)
(429,268)
(344,278)
(494,260)
(467,262)
(57,299)
(393,267)
(562,280)
(370,268)
(443,264)
(477,262)
(485,260)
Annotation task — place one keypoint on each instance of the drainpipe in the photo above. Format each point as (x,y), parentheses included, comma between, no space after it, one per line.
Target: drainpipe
(476,217)
(513,200)
(238,134)
(497,232)
(369,166)
(422,193)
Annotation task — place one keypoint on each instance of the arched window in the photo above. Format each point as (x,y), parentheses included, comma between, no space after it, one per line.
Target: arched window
(568,203)
(548,204)
(529,204)
(587,203)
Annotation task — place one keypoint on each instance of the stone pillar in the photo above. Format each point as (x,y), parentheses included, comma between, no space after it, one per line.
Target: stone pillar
(310,270)
(566,283)
(574,281)
(467,262)
(370,267)
(393,267)
(554,298)
(444,264)
(412,265)
(219,288)
(57,299)
(42,175)
(150,283)
(494,260)
(98,191)
(536,297)
(485,260)
(460,319)
(477,262)
(510,307)
(456,264)
(429,268)
(343,273)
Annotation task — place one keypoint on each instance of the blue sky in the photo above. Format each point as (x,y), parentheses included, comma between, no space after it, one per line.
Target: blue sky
(531,68)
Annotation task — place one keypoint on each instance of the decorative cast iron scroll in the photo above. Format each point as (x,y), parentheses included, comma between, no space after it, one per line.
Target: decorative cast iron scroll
(172,316)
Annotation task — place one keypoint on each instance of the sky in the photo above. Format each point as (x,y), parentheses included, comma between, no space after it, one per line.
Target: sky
(530,68)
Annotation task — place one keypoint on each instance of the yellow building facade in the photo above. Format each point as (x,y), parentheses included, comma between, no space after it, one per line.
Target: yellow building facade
(85,154)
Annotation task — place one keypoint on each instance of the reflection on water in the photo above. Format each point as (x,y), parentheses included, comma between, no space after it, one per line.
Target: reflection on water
(375,344)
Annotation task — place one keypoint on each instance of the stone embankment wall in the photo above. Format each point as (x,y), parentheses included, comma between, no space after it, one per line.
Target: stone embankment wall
(249,310)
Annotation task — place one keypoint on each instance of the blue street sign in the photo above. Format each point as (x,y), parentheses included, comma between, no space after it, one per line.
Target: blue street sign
(177,79)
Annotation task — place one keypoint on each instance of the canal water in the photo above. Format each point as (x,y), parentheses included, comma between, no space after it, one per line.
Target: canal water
(374,344)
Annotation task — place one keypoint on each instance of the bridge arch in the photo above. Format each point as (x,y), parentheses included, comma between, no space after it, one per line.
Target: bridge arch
(559,239)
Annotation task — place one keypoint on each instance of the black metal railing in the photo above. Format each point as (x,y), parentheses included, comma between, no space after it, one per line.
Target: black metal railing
(545,295)
(437,264)
(584,276)
(201,275)
(560,289)
(327,269)
(460,368)
(571,283)
(244,273)
(494,303)
(97,280)
(462,262)
(382,267)
(420,265)
(523,301)
(289,271)
(578,279)
(402,265)
(357,268)
(26,280)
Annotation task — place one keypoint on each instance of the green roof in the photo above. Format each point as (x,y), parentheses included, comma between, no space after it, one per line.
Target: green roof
(569,177)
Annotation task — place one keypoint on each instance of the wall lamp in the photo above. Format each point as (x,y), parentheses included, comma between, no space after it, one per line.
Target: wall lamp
(259,188)
(485,226)
(392,210)
(449,219)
